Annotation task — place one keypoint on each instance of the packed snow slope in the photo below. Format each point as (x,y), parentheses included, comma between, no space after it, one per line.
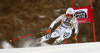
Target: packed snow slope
(65,48)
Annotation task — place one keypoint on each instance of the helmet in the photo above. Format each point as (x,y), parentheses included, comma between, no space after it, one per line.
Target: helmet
(70,11)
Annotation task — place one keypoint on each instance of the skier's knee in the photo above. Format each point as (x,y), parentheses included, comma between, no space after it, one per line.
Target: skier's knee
(46,37)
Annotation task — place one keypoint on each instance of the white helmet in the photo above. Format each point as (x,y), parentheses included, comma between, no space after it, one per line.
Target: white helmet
(70,11)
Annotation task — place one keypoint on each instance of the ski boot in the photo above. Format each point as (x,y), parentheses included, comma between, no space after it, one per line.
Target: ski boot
(57,41)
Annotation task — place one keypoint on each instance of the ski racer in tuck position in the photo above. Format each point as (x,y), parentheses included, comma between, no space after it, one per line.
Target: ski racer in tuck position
(64,30)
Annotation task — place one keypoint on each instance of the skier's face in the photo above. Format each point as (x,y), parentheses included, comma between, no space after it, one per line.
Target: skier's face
(69,16)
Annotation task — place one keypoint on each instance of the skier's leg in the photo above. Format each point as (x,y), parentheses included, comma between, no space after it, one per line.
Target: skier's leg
(52,35)
(48,36)
(67,34)
(57,41)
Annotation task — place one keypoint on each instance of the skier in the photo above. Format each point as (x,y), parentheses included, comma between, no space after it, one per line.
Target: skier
(64,30)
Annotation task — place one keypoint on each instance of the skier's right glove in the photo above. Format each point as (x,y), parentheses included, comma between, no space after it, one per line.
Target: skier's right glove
(75,37)
(49,31)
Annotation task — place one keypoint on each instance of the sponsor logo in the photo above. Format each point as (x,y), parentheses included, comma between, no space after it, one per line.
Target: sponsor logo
(80,14)
(82,20)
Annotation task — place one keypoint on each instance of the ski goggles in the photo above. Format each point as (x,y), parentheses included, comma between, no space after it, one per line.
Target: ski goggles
(70,15)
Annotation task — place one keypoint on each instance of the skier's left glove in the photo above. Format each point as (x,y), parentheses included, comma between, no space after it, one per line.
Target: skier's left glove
(49,31)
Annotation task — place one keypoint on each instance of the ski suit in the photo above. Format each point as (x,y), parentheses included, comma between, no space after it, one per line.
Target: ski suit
(64,30)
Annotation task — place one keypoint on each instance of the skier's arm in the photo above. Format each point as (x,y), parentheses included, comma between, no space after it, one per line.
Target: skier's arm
(76,25)
(56,21)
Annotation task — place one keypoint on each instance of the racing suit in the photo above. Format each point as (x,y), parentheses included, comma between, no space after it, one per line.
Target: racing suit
(64,30)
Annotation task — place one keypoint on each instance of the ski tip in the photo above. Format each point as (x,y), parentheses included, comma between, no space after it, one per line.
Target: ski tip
(10,40)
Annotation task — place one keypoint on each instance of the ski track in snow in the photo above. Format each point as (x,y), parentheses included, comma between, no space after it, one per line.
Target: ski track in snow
(28,42)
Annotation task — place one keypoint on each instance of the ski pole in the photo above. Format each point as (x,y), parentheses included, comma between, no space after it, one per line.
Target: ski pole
(27,36)
(65,40)
(76,41)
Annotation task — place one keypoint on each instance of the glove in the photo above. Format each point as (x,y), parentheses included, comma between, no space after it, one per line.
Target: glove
(49,30)
(75,37)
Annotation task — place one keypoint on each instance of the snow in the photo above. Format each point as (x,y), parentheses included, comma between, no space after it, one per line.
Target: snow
(84,39)
(26,43)
(93,47)
(6,45)
(45,44)
(57,10)
(56,13)
(42,16)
